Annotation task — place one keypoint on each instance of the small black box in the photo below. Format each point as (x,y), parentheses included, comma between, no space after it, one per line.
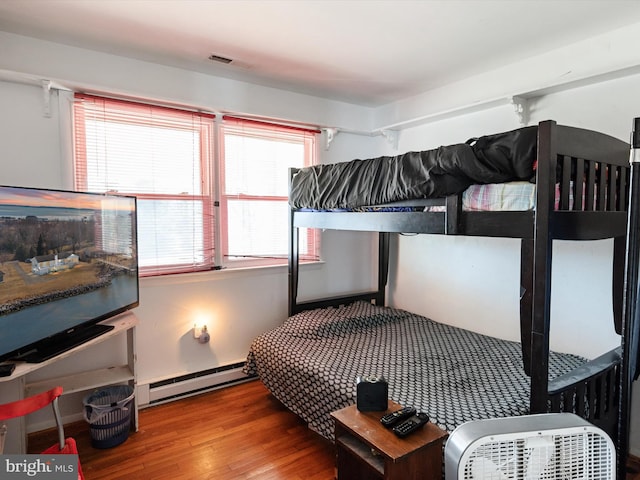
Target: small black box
(372,394)
(6,369)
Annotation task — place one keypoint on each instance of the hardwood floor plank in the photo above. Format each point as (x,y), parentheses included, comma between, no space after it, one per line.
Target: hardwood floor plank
(235,433)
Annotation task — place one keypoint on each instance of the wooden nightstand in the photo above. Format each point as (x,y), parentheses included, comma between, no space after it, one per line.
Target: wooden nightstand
(367,450)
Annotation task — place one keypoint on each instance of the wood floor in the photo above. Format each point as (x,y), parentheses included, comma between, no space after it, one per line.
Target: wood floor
(240,432)
(633,469)
(234,433)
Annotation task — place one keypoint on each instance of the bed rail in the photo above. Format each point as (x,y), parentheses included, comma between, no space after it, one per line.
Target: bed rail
(591,391)
(375,296)
(592,172)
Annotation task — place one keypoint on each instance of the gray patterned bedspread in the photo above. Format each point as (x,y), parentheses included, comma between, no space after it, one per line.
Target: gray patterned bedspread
(311,362)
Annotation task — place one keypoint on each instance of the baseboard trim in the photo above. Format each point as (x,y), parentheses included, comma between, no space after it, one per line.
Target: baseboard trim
(195,383)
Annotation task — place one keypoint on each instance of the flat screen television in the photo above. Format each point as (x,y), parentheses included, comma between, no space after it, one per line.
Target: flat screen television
(68,260)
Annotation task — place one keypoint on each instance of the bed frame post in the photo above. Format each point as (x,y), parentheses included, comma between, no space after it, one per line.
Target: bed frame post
(631,322)
(542,252)
(526,298)
(453,214)
(383,266)
(618,283)
(294,254)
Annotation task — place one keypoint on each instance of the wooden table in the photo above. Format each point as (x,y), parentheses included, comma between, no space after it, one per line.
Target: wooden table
(367,450)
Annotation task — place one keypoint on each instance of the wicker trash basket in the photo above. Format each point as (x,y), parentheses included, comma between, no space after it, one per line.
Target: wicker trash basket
(108,412)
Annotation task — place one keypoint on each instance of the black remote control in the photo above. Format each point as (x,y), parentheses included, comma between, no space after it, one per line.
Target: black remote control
(411,425)
(392,418)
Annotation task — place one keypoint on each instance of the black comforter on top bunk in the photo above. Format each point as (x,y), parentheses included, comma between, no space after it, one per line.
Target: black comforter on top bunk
(439,172)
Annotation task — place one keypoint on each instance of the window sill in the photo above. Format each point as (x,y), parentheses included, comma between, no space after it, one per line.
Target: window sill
(197,277)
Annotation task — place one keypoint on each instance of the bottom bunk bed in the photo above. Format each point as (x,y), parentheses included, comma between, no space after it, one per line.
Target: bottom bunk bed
(310,363)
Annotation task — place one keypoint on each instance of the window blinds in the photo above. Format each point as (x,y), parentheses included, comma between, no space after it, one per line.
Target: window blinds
(161,155)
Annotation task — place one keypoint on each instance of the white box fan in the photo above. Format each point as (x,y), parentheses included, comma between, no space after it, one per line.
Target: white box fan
(549,446)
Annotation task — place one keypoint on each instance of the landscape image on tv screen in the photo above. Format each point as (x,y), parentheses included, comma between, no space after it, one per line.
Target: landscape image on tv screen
(66,259)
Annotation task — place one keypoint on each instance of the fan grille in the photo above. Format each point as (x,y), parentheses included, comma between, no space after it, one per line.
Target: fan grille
(582,455)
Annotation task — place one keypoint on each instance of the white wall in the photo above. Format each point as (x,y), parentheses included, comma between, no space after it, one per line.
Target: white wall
(26,162)
(92,71)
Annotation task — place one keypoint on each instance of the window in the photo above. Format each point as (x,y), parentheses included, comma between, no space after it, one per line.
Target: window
(166,158)
(254,189)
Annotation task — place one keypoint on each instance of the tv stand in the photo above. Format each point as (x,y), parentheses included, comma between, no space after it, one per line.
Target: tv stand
(32,378)
(53,346)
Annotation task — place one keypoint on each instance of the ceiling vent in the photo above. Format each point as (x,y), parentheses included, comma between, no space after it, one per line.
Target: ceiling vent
(219,59)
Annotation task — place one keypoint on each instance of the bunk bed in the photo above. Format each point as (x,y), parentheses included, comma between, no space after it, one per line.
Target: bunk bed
(310,362)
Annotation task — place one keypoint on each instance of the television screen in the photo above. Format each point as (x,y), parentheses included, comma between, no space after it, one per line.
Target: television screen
(67,261)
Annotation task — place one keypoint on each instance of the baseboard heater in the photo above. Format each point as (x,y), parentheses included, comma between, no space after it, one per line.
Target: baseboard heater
(197,382)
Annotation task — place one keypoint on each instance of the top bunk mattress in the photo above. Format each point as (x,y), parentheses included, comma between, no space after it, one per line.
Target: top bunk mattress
(490,197)
(436,173)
